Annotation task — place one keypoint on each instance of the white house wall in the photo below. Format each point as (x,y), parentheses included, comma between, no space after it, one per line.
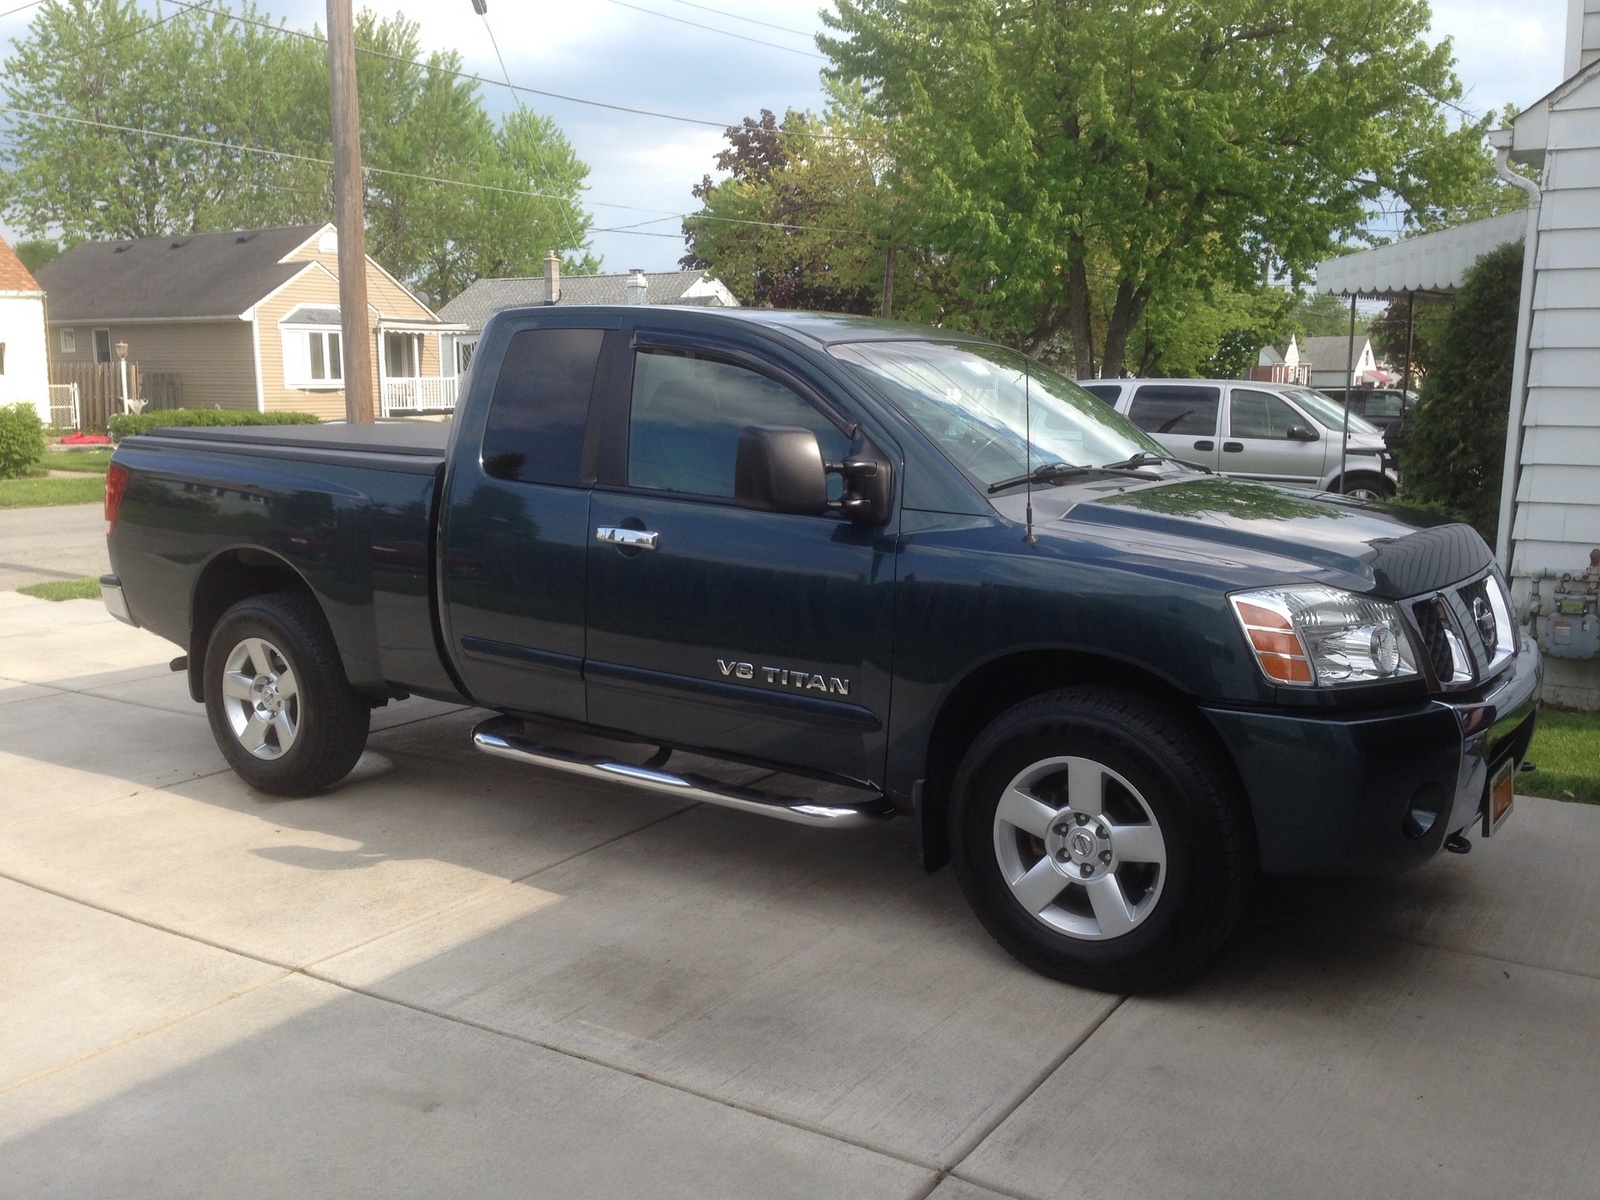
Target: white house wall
(27,370)
(1557,519)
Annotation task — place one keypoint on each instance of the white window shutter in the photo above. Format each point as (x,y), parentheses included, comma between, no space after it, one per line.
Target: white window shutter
(294,357)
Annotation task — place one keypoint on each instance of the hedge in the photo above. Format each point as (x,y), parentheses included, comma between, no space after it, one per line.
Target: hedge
(126,424)
(1454,452)
(21,440)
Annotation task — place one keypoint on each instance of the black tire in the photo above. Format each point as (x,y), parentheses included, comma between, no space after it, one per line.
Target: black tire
(1367,487)
(293,742)
(1134,897)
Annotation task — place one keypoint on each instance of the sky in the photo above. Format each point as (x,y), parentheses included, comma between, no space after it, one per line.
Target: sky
(628,53)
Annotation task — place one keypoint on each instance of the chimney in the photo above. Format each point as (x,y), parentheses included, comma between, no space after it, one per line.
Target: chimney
(638,285)
(552,278)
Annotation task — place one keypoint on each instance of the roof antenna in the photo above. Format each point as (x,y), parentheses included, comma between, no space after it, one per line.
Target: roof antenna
(1027,437)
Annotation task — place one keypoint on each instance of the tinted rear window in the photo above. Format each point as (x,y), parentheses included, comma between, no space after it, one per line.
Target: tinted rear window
(1175,408)
(540,406)
(1103,391)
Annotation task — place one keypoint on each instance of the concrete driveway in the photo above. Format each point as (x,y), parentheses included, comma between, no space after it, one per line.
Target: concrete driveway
(461,978)
(40,544)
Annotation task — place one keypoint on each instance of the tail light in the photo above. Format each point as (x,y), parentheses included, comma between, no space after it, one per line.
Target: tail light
(116,486)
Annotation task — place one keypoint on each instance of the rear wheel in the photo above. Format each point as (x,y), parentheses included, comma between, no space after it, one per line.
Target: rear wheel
(1099,841)
(281,709)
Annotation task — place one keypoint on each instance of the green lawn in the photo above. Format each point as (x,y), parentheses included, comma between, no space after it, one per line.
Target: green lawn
(78,460)
(87,588)
(33,493)
(1566,749)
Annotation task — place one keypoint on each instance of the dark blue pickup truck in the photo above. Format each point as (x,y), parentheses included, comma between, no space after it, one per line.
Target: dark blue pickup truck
(1110,686)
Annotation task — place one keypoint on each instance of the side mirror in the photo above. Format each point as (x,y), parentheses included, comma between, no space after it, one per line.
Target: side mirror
(779,469)
(1299,433)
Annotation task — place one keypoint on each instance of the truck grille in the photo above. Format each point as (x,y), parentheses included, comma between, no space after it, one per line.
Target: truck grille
(1466,631)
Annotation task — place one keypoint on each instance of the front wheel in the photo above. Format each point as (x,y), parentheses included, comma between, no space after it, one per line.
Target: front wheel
(281,709)
(1099,839)
(1367,487)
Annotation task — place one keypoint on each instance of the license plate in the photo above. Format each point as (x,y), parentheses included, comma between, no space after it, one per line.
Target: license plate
(1497,800)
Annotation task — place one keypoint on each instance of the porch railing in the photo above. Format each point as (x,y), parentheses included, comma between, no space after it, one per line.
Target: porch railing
(419,393)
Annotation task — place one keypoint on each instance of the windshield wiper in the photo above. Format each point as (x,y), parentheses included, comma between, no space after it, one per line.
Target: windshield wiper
(1145,459)
(1054,471)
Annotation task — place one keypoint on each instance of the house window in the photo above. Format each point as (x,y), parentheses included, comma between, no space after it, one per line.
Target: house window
(312,358)
(102,345)
(69,341)
(464,349)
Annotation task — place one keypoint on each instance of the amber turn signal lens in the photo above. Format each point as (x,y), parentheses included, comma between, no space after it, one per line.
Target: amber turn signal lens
(1284,669)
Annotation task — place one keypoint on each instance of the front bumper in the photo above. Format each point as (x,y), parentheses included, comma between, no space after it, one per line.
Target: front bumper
(1377,792)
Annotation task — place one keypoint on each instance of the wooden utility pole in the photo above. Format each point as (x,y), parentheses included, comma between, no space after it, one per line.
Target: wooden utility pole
(349,215)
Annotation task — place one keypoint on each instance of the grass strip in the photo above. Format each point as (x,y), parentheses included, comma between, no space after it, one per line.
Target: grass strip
(1566,749)
(87,588)
(89,461)
(38,493)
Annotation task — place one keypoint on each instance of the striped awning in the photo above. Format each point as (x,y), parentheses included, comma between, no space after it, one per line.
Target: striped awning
(1433,264)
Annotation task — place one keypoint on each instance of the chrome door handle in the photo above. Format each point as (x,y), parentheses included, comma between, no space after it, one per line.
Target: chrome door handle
(636,539)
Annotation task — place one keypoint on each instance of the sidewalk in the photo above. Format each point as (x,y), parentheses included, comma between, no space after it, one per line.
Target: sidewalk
(466,978)
(63,542)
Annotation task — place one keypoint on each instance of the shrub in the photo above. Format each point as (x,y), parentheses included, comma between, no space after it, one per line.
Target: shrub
(1455,446)
(126,424)
(21,440)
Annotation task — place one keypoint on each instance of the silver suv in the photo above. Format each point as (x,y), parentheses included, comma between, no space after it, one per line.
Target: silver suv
(1272,432)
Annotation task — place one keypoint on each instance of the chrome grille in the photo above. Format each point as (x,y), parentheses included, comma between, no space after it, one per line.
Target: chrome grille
(1466,631)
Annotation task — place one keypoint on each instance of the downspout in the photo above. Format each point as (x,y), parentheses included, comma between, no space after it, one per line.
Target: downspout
(1500,139)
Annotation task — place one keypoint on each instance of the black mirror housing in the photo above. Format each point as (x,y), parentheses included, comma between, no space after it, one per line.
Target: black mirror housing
(779,469)
(1299,433)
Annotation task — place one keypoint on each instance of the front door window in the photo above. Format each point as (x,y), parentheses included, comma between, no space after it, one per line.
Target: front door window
(401,354)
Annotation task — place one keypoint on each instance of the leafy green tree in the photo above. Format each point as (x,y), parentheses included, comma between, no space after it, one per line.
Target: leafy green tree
(1455,452)
(92,74)
(798,221)
(1322,315)
(36,252)
(1185,144)
(1209,333)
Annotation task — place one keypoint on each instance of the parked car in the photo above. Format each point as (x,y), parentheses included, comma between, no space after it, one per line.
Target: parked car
(907,562)
(1387,408)
(1271,432)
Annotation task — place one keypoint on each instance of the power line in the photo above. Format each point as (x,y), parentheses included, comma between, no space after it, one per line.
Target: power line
(722,12)
(713,29)
(293,156)
(515,87)
(11,12)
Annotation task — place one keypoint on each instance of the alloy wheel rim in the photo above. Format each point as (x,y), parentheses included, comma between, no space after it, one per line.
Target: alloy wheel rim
(261,698)
(1080,848)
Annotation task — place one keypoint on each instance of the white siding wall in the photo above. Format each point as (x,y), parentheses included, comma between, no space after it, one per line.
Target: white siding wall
(1557,519)
(27,370)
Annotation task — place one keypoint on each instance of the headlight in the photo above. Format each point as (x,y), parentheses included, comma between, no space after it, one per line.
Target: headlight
(1320,636)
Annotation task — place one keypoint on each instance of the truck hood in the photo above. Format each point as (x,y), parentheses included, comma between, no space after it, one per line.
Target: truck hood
(1381,550)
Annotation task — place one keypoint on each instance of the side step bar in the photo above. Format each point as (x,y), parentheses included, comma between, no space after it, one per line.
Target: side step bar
(502,737)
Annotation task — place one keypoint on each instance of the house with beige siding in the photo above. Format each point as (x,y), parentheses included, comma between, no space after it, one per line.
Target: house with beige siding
(243,319)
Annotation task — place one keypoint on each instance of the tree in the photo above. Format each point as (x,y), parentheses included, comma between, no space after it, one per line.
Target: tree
(36,252)
(1322,315)
(1454,454)
(797,223)
(449,195)
(1183,145)
(1214,333)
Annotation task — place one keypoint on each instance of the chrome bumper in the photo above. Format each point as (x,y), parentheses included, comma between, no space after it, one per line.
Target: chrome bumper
(116,603)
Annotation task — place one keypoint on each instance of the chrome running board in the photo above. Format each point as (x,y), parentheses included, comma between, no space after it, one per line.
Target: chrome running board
(502,737)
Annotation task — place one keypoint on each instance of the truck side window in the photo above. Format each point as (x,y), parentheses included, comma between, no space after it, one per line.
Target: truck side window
(540,405)
(687,414)
(1253,414)
(1179,409)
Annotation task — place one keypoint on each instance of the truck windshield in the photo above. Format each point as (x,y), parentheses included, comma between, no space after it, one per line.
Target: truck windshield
(983,404)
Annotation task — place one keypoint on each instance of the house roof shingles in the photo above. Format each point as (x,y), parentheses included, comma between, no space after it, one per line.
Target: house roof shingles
(1332,353)
(486,297)
(187,276)
(14,277)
